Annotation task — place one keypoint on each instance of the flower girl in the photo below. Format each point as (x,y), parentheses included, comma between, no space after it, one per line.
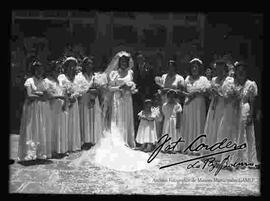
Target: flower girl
(171,111)
(147,135)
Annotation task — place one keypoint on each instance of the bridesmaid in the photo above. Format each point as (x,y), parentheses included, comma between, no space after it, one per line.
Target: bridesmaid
(215,111)
(246,126)
(59,117)
(35,129)
(147,135)
(194,109)
(71,103)
(229,123)
(90,111)
(170,80)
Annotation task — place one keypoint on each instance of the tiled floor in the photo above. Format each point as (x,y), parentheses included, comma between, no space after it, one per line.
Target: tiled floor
(57,177)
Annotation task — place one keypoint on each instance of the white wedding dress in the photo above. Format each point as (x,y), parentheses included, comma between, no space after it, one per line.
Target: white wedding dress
(111,152)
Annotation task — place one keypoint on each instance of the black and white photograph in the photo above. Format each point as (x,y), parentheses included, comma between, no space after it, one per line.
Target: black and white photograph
(135,102)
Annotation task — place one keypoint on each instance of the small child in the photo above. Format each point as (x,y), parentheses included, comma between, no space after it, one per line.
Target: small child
(171,111)
(147,134)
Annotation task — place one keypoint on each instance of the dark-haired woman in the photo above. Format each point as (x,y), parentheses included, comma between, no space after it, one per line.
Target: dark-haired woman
(215,111)
(170,80)
(71,107)
(58,116)
(246,132)
(35,129)
(194,109)
(121,85)
(229,124)
(90,111)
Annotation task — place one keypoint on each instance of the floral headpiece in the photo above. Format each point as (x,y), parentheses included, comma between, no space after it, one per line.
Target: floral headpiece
(123,53)
(71,59)
(196,59)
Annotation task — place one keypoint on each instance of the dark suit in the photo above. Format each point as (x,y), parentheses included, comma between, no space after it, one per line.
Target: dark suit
(145,82)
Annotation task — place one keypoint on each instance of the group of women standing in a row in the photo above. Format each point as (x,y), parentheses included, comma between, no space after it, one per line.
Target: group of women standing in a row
(59,115)
(229,114)
(64,110)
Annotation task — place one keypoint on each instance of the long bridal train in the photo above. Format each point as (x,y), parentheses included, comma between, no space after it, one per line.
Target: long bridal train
(111,152)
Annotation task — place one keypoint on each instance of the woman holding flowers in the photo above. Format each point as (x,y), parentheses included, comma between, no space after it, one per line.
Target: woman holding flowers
(114,149)
(194,109)
(35,129)
(170,80)
(228,128)
(246,126)
(71,92)
(90,111)
(122,86)
(215,111)
(58,116)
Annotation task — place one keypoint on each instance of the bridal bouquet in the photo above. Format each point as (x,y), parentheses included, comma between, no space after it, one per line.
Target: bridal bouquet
(129,86)
(32,150)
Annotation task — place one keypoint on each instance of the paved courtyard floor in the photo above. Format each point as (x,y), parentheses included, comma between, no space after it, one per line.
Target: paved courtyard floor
(56,177)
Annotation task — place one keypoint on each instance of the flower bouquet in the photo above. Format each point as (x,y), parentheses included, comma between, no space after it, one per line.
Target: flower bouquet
(100,80)
(129,86)
(231,92)
(147,116)
(32,150)
(229,89)
(201,86)
(71,91)
(158,81)
(82,86)
(250,91)
(215,91)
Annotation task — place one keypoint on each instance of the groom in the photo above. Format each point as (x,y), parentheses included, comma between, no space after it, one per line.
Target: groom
(144,79)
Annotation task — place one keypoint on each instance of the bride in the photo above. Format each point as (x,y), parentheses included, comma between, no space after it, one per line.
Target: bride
(114,149)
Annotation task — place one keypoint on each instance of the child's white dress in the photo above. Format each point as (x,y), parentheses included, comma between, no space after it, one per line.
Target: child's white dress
(169,126)
(147,132)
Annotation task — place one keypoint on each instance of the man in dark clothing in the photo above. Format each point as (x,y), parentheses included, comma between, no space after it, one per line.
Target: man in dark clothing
(144,79)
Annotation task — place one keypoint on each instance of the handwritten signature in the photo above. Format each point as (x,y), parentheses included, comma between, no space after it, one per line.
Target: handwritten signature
(224,144)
